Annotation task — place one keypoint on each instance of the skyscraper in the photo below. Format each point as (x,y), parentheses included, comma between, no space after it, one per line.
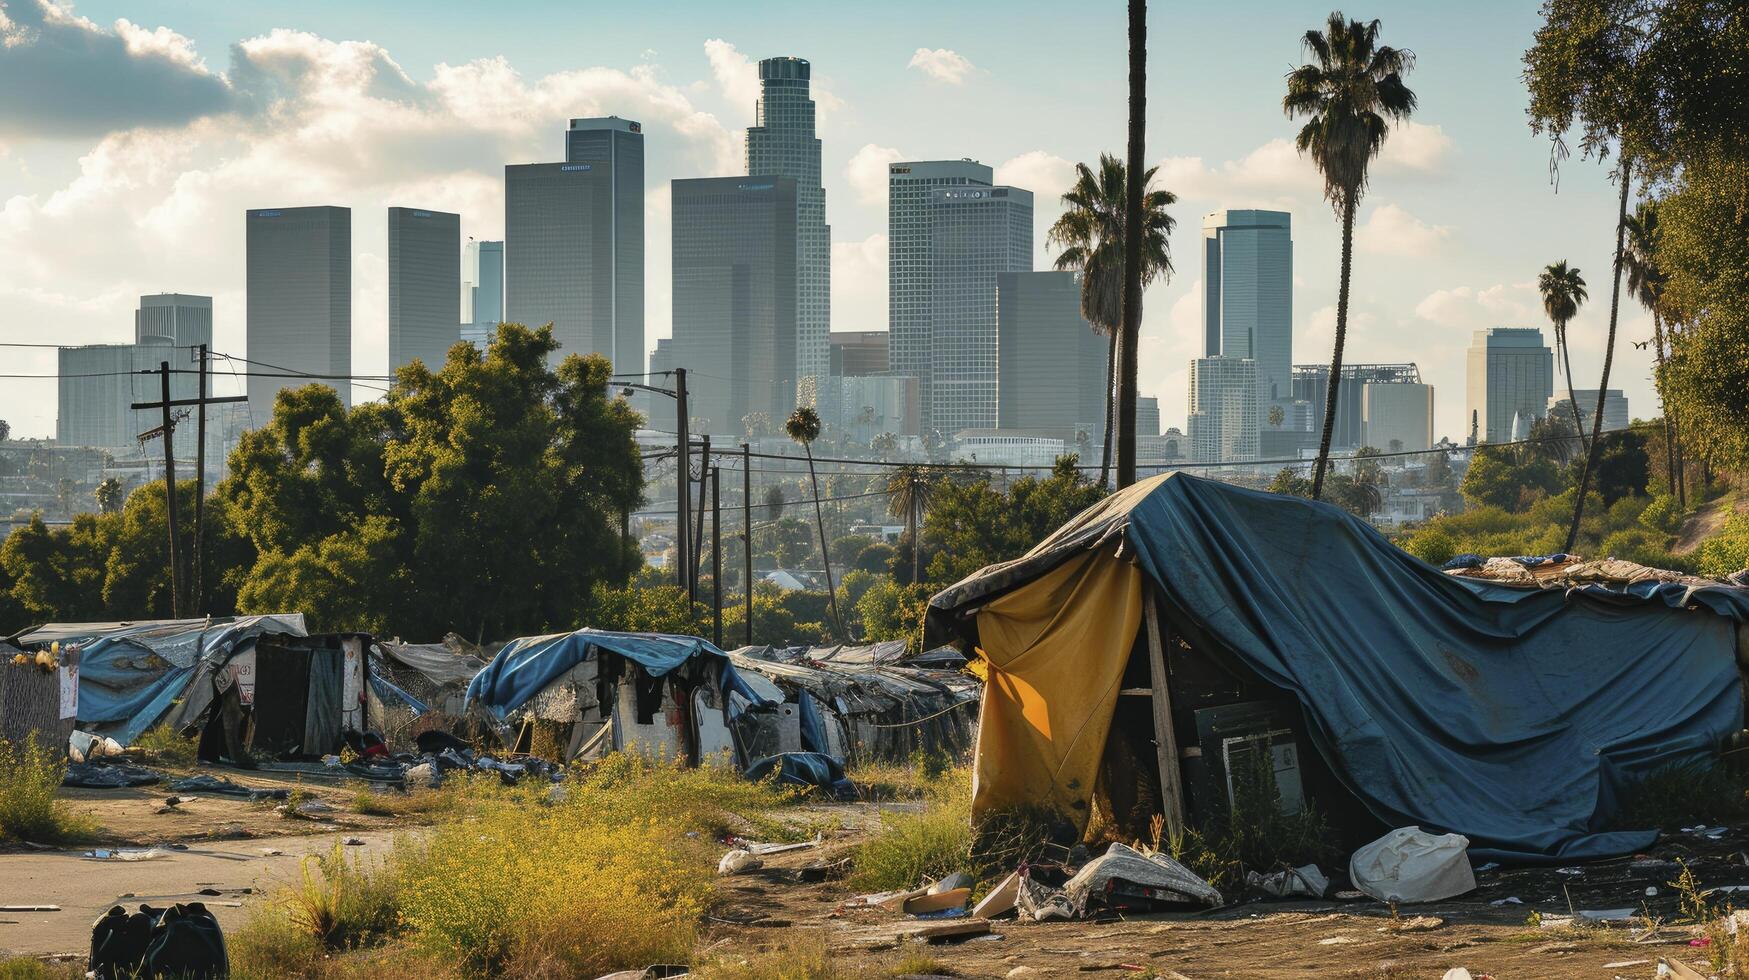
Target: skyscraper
(1311,387)
(177,318)
(1248,272)
(96,387)
(618,145)
(483,287)
(1050,365)
(1510,374)
(424,286)
(1399,416)
(735,319)
(975,233)
(1223,409)
(781,143)
(569,239)
(299,300)
(859,353)
(910,254)
(1615,408)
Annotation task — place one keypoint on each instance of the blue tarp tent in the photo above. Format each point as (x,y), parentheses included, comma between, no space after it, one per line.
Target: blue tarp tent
(525,666)
(1513,716)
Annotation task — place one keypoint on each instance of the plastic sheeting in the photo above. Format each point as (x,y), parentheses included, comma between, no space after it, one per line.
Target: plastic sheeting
(524,667)
(1514,717)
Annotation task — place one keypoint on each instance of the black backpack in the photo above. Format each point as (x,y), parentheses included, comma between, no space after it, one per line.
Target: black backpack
(183,942)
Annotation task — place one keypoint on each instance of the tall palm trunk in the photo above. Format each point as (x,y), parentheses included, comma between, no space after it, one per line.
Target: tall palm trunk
(1336,353)
(911,517)
(1572,397)
(825,555)
(1132,246)
(1669,423)
(1110,411)
(1621,221)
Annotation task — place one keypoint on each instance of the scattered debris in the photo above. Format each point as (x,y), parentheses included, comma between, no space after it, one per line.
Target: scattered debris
(738,861)
(129,854)
(308,810)
(223,786)
(1674,968)
(1411,865)
(108,775)
(1306,880)
(30,908)
(1508,900)
(1122,877)
(1001,899)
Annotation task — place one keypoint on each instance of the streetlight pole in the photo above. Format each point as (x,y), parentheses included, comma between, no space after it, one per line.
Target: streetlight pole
(747,531)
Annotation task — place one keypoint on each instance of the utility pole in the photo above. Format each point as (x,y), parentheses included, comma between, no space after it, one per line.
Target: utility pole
(200,486)
(704,472)
(747,531)
(716,556)
(682,485)
(170,494)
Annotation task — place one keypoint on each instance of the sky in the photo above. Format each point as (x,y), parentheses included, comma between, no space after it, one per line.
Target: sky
(133,136)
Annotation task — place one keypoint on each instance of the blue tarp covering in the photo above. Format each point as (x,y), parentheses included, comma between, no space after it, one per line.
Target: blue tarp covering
(1513,716)
(527,665)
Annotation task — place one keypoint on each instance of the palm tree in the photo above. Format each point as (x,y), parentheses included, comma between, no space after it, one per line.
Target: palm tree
(1090,233)
(803,425)
(1134,277)
(1563,290)
(1352,86)
(1646,284)
(909,494)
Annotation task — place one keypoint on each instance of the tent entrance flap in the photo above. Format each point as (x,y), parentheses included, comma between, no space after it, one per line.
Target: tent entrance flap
(1057,650)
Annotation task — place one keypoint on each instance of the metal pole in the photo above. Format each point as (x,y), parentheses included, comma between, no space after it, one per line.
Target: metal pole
(704,471)
(747,531)
(170,495)
(682,484)
(199,596)
(716,557)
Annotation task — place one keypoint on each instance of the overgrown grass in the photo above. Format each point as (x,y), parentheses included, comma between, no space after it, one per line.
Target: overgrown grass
(31,968)
(932,842)
(30,774)
(802,959)
(1681,795)
(615,874)
(422,802)
(910,780)
(167,747)
(1253,834)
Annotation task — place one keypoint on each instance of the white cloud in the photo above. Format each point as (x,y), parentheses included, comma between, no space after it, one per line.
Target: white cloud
(1042,172)
(737,77)
(866,173)
(1390,230)
(942,65)
(859,284)
(1272,175)
(1502,304)
(1415,148)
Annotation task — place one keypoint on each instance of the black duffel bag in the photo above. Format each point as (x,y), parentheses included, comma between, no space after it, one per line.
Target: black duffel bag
(182,942)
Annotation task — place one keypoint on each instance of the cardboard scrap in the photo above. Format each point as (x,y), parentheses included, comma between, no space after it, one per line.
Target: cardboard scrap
(1001,899)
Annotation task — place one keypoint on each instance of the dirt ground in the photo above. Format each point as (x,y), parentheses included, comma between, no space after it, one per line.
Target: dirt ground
(227,843)
(1706,520)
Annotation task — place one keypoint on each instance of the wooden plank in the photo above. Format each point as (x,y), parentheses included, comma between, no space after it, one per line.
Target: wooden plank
(1165,739)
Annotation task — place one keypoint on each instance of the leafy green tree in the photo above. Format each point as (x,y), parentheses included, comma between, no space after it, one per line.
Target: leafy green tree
(1277,415)
(846,547)
(1090,233)
(1348,93)
(1563,291)
(1432,545)
(1500,478)
(877,557)
(648,609)
(972,524)
(803,426)
(891,611)
(1289,482)
(108,496)
(1646,285)
(1623,467)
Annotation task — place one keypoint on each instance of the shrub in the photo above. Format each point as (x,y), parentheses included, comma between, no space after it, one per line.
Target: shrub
(1662,515)
(30,774)
(1253,834)
(31,968)
(167,747)
(1726,551)
(1431,545)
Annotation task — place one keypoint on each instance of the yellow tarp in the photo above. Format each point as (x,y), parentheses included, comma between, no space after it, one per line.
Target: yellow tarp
(1056,649)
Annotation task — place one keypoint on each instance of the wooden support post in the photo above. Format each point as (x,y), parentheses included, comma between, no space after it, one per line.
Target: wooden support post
(1165,739)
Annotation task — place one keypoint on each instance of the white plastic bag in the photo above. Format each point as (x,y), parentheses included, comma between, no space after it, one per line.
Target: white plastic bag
(1410,865)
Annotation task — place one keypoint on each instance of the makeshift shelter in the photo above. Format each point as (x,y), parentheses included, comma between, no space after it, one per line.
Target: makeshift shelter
(251,682)
(38,696)
(420,687)
(858,703)
(659,694)
(1220,626)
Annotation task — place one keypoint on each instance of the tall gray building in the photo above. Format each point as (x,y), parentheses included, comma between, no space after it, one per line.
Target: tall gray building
(975,234)
(95,388)
(424,286)
(781,142)
(1247,294)
(911,254)
(618,145)
(1224,417)
(177,318)
(735,318)
(299,300)
(563,225)
(1311,388)
(1509,378)
(482,291)
(1050,365)
(1615,408)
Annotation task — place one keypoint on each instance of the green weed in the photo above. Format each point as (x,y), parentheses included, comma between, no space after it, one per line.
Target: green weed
(30,775)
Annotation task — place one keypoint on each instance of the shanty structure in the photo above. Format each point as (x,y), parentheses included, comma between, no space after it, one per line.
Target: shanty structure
(861,703)
(420,687)
(1183,631)
(662,695)
(259,684)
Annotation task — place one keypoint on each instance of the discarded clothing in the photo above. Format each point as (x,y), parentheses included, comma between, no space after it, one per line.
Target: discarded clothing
(1121,871)
(1305,881)
(108,775)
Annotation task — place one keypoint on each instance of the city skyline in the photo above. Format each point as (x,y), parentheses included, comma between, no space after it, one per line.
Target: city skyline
(1431,270)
